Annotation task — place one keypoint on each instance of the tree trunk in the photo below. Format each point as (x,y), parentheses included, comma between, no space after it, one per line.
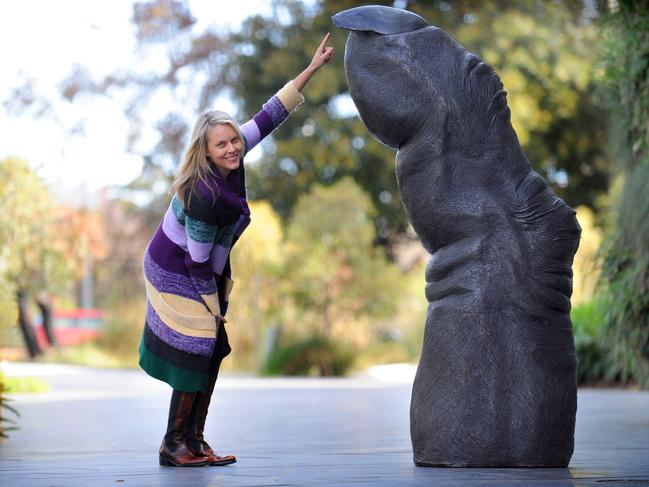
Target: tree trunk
(45,305)
(26,326)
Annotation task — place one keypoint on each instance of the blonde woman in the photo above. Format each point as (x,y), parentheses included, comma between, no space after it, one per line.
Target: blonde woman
(187,267)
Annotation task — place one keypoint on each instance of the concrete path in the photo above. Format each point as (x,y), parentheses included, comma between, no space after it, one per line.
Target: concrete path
(103,427)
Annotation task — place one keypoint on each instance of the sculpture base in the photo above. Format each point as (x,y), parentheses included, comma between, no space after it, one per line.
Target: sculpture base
(458,464)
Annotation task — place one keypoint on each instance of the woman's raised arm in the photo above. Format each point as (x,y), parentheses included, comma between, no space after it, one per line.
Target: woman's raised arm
(278,108)
(322,56)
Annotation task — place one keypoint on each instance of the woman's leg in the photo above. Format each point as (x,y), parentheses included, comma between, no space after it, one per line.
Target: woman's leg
(174,451)
(196,425)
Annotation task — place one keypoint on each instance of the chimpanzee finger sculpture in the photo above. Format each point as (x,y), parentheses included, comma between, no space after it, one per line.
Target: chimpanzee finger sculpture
(495,385)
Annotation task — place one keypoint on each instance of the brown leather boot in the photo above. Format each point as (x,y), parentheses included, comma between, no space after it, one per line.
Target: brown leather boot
(194,433)
(174,451)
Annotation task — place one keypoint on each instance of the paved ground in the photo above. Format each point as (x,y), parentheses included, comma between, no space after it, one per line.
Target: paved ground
(101,427)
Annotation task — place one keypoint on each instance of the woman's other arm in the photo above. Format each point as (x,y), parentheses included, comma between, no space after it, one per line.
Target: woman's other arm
(201,228)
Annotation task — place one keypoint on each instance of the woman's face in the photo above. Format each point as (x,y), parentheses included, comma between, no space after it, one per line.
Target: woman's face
(224,147)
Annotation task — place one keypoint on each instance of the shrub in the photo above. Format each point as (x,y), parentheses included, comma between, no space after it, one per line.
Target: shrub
(594,359)
(4,406)
(626,263)
(313,356)
(123,331)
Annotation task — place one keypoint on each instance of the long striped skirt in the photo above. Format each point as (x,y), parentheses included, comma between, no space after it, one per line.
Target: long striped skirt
(181,343)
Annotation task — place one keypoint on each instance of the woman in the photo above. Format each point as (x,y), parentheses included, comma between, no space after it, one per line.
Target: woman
(187,267)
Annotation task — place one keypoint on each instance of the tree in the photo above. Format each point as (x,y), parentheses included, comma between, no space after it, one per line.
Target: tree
(321,143)
(82,233)
(126,231)
(544,52)
(335,275)
(32,257)
(259,303)
(626,266)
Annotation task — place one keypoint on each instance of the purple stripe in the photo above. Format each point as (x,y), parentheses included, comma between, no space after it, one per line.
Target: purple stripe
(173,259)
(228,202)
(167,254)
(251,133)
(244,221)
(199,346)
(219,257)
(169,282)
(205,287)
(264,122)
(199,252)
(276,111)
(174,230)
(201,274)
(211,188)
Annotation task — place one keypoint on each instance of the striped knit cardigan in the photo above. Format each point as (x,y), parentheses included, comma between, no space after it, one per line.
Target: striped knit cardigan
(187,265)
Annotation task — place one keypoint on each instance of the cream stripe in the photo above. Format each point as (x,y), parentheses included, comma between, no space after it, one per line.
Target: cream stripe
(290,97)
(185,305)
(212,302)
(200,326)
(190,332)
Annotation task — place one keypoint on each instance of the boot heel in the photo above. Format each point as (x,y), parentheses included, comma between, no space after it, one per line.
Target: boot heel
(164,462)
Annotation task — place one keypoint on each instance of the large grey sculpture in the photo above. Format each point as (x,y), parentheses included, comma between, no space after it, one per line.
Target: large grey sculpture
(496,384)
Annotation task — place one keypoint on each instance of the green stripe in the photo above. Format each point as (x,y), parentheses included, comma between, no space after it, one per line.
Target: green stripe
(199,231)
(225,236)
(177,208)
(177,377)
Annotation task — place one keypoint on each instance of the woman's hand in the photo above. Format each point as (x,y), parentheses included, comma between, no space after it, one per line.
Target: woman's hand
(322,55)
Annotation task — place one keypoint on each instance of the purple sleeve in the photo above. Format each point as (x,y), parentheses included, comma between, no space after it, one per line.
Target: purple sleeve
(271,116)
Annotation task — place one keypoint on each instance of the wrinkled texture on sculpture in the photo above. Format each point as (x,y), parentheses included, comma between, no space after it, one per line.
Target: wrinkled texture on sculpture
(495,385)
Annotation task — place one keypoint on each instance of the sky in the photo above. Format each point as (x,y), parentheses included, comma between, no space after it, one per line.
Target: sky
(41,41)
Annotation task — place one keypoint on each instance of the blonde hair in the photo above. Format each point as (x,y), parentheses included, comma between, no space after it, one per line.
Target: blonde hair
(196,166)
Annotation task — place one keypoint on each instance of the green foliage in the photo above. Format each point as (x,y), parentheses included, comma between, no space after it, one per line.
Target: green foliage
(335,273)
(31,257)
(544,52)
(626,64)
(89,354)
(626,264)
(383,352)
(258,297)
(8,307)
(332,183)
(594,360)
(313,356)
(119,284)
(22,384)
(118,278)
(6,423)
(318,144)
(121,336)
(327,286)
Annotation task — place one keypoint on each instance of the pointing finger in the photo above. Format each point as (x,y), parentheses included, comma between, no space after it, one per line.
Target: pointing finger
(324,42)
